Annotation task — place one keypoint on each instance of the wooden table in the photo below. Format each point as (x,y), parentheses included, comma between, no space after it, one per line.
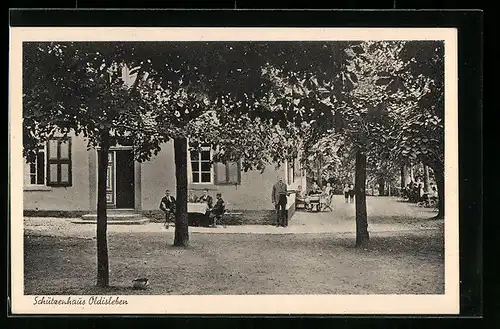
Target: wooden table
(197,208)
(198,212)
(315,201)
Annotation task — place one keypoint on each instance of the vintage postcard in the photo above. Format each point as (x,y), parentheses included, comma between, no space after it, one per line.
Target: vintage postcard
(234,171)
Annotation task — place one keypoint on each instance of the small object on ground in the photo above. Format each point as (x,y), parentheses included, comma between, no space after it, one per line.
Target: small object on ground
(141,283)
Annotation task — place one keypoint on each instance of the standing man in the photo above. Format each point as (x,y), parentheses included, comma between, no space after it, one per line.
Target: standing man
(278,197)
(352,193)
(346,192)
(167,204)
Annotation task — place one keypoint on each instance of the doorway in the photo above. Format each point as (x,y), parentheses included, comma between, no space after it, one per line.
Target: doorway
(121,179)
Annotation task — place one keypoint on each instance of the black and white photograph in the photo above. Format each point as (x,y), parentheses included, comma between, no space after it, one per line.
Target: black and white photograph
(234,170)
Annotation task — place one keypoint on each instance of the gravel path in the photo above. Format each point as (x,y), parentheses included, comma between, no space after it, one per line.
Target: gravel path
(385,215)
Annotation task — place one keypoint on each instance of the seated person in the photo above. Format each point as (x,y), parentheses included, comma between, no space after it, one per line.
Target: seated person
(218,210)
(191,197)
(299,194)
(167,205)
(300,197)
(205,198)
(433,195)
(315,189)
(425,199)
(313,196)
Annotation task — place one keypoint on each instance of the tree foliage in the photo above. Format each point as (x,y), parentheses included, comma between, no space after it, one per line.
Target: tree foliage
(79,87)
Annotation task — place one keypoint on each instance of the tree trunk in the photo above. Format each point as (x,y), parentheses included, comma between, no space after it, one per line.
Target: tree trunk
(402,174)
(102,221)
(381,186)
(405,176)
(426,179)
(320,178)
(412,176)
(181,237)
(439,175)
(362,235)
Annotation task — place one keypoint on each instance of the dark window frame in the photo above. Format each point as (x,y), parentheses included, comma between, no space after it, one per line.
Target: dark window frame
(200,161)
(58,161)
(37,176)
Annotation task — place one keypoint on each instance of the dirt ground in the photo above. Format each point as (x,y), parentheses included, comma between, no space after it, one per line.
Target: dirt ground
(408,259)
(240,264)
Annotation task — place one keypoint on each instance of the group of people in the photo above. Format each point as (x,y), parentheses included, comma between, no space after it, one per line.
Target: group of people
(316,196)
(214,210)
(415,192)
(349,193)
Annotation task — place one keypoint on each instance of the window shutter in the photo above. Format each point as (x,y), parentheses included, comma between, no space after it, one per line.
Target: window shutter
(220,173)
(233,173)
(59,171)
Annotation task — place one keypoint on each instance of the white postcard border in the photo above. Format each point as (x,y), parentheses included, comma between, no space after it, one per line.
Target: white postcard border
(448,303)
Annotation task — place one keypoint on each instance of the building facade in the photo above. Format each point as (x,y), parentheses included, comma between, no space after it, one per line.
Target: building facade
(64,178)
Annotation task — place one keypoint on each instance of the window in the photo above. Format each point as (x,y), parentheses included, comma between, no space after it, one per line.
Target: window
(296,170)
(228,173)
(59,162)
(37,169)
(291,172)
(201,167)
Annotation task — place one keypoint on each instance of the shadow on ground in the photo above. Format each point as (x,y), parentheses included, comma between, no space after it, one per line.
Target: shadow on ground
(396,263)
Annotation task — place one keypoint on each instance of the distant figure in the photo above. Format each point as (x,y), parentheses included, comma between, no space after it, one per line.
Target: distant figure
(300,192)
(346,193)
(434,193)
(328,189)
(314,197)
(278,196)
(167,205)
(315,189)
(420,191)
(218,210)
(352,193)
(301,197)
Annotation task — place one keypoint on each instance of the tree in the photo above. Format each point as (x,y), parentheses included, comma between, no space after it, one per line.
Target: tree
(191,81)
(319,104)
(382,172)
(86,88)
(367,113)
(324,161)
(259,79)
(420,135)
(254,142)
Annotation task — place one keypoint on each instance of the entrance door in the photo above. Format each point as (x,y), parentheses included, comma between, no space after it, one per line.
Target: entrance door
(110,183)
(124,175)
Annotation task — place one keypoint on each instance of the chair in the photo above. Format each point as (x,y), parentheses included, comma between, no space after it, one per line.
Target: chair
(300,202)
(328,203)
(314,202)
(219,218)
